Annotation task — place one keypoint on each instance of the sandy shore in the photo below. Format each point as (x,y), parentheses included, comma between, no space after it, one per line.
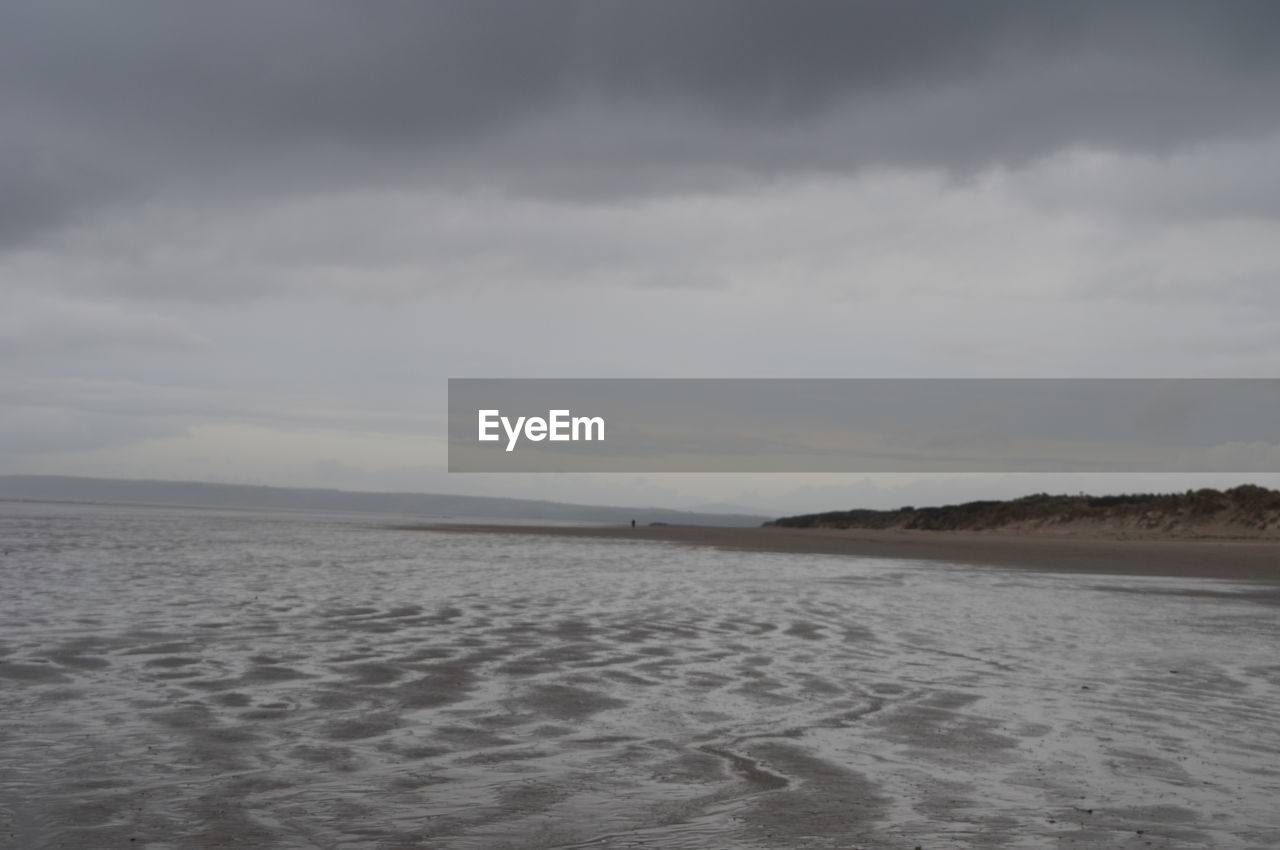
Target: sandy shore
(1214,558)
(311,680)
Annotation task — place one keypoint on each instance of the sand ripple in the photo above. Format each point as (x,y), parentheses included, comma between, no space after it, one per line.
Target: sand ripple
(197,679)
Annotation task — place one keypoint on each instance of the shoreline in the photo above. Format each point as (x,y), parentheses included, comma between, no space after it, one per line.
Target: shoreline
(1233,559)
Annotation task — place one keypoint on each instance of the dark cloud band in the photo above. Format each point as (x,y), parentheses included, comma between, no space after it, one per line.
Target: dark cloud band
(124,100)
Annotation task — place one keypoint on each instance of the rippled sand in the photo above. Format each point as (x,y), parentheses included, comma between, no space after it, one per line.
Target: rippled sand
(177,679)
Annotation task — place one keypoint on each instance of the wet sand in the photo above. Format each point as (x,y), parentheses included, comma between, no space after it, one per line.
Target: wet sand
(186,679)
(1180,557)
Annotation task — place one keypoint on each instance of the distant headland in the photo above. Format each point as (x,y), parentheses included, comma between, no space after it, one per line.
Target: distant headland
(1247,511)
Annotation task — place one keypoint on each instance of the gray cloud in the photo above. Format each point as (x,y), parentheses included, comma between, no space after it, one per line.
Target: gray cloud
(37,430)
(248,239)
(45,325)
(141,405)
(121,101)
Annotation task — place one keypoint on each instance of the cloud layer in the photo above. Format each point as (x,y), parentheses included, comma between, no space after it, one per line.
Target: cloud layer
(113,103)
(334,206)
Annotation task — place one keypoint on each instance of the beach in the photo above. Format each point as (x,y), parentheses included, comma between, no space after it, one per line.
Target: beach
(181,678)
(1239,559)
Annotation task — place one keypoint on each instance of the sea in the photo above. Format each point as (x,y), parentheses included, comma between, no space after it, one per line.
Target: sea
(176,678)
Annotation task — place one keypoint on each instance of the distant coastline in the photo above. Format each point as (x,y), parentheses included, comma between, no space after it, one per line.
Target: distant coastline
(1256,559)
(199,494)
(1247,511)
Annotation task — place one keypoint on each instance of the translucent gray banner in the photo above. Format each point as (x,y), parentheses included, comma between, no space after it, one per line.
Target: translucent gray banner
(885,425)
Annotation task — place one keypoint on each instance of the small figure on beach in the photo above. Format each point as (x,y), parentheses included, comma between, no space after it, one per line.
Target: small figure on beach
(633,523)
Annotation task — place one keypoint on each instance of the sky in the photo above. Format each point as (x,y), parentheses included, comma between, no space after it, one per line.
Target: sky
(249,242)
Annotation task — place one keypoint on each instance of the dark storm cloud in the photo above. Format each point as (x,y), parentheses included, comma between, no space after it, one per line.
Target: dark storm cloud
(104,102)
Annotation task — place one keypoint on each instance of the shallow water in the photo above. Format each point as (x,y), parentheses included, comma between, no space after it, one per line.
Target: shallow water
(189,679)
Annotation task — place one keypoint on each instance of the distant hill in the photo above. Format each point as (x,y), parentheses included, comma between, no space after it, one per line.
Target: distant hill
(1244,511)
(57,488)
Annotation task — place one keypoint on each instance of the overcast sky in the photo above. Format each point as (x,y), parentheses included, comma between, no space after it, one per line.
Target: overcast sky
(248,242)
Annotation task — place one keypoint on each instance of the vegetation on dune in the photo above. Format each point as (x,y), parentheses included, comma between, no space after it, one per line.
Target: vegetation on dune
(1247,507)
